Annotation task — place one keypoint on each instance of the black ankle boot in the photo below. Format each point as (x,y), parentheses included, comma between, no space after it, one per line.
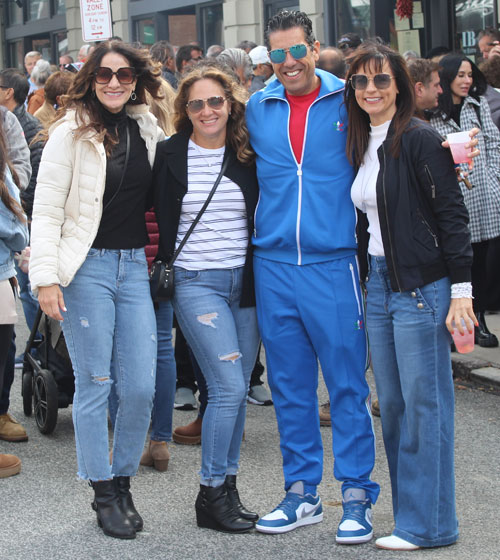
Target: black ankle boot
(126,502)
(234,499)
(110,516)
(482,335)
(214,511)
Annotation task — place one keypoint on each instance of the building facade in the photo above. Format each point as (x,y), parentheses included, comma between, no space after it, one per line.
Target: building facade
(53,27)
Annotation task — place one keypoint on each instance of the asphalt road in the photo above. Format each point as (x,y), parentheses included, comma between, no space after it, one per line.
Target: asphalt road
(45,511)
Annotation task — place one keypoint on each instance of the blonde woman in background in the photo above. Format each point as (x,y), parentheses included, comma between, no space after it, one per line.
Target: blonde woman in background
(57,85)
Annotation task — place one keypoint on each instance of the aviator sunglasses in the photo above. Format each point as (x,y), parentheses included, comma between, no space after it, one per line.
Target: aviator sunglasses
(380,81)
(125,75)
(196,105)
(279,55)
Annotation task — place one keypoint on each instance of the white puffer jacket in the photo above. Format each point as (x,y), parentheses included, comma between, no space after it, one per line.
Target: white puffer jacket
(68,198)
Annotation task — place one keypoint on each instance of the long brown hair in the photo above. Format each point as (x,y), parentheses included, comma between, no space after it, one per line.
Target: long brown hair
(88,108)
(373,55)
(10,203)
(236,131)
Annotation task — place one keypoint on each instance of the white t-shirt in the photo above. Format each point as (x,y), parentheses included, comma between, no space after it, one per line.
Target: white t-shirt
(220,238)
(363,190)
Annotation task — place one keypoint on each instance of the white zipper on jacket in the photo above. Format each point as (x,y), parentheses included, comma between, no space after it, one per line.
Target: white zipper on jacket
(354,286)
(299,165)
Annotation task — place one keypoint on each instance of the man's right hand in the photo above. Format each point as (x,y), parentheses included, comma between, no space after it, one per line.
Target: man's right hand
(51,301)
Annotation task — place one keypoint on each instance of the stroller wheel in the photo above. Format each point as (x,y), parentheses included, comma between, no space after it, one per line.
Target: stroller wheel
(45,401)
(27,391)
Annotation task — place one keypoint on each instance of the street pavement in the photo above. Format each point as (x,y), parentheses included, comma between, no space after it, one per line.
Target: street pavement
(45,511)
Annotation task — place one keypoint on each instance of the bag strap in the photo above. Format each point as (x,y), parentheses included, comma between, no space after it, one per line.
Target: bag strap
(127,154)
(198,217)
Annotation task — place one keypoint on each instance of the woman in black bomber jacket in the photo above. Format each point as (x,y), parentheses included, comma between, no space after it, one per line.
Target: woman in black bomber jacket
(214,299)
(419,245)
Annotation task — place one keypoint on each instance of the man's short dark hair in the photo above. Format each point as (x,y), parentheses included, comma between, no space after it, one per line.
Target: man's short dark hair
(332,60)
(161,51)
(437,51)
(184,54)
(489,32)
(15,79)
(288,20)
(421,70)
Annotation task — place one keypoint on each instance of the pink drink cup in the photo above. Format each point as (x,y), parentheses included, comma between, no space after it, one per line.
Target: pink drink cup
(464,343)
(457,141)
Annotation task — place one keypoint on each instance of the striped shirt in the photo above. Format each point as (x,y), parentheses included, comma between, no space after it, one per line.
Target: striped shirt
(220,238)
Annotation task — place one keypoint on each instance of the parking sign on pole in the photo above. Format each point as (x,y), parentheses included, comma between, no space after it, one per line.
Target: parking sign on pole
(96,20)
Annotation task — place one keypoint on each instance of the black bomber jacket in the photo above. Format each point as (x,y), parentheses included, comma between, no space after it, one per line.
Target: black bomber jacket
(423,218)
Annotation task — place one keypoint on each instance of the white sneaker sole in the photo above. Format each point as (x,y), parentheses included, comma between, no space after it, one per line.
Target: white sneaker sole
(355,540)
(286,528)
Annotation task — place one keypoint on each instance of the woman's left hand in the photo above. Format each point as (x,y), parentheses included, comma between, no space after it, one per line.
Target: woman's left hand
(472,145)
(460,308)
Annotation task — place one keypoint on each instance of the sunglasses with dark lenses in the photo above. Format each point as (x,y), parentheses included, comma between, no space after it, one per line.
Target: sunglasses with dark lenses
(125,75)
(196,105)
(279,55)
(380,81)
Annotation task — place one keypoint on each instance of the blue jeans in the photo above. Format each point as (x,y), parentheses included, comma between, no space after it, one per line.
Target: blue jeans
(110,320)
(410,349)
(224,339)
(163,407)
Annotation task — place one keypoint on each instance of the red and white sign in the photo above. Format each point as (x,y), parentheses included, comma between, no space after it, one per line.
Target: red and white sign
(96,20)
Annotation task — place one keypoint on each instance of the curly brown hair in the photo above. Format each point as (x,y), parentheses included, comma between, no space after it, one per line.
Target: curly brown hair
(237,136)
(88,108)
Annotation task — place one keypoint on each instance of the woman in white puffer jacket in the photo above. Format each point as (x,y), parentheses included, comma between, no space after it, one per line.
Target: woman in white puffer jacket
(89,268)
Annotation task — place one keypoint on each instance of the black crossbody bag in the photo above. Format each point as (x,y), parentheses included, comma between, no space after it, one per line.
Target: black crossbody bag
(161,275)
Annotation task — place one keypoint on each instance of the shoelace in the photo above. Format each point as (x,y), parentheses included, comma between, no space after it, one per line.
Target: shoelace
(290,500)
(354,509)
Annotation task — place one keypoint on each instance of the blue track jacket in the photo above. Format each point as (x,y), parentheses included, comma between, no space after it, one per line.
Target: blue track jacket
(305,214)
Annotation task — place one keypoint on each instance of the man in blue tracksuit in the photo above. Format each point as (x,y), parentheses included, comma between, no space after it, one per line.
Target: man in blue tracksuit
(309,303)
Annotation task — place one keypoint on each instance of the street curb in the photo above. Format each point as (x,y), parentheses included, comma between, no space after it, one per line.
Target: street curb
(476,370)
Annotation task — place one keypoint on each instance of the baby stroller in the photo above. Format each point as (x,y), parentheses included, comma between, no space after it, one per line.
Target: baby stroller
(48,382)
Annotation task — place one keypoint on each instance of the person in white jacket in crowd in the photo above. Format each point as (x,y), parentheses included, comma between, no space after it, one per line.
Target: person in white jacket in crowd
(89,267)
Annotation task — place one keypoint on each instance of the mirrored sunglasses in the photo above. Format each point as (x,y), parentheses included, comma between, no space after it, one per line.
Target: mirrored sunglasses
(196,105)
(278,56)
(125,75)
(380,81)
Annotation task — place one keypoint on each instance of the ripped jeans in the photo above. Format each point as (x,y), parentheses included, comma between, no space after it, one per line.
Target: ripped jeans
(224,338)
(110,318)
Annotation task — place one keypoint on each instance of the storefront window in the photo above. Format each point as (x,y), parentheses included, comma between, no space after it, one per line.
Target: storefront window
(15,13)
(211,25)
(471,17)
(61,40)
(42,45)
(38,9)
(59,7)
(354,17)
(145,31)
(16,55)
(272,7)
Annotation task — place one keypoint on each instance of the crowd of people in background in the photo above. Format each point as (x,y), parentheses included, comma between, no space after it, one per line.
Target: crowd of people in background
(124,146)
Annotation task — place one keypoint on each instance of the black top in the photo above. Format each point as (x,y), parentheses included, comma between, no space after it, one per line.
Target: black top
(170,185)
(455,112)
(423,218)
(123,222)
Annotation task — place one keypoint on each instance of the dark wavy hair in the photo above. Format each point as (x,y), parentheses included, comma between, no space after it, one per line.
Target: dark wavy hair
(9,202)
(88,108)
(284,20)
(373,55)
(450,64)
(237,136)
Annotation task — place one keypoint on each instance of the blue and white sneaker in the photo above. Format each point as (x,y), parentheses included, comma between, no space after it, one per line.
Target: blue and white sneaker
(294,511)
(356,524)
